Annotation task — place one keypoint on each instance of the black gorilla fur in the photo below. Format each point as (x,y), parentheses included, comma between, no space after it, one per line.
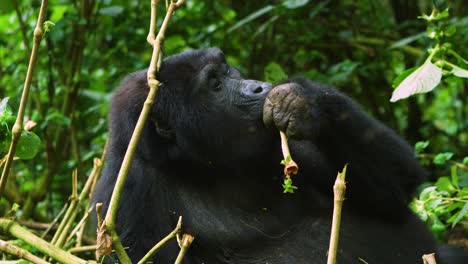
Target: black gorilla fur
(210,152)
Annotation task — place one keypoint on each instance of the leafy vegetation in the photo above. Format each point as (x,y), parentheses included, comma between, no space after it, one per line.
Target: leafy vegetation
(362,47)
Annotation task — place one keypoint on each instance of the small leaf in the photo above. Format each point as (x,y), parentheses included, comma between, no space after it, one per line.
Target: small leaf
(407,40)
(442,15)
(251,17)
(48,25)
(28,145)
(286,160)
(454,175)
(426,193)
(444,184)
(57,12)
(462,214)
(422,80)
(459,72)
(292,4)
(420,146)
(441,158)
(437,225)
(465,160)
(111,11)
(3,104)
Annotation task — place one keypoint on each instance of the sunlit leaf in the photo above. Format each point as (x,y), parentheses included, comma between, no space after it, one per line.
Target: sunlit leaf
(111,10)
(291,4)
(407,40)
(444,184)
(422,80)
(462,214)
(57,12)
(420,146)
(251,17)
(402,76)
(441,158)
(459,72)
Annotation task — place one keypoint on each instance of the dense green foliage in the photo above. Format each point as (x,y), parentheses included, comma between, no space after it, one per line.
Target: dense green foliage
(359,46)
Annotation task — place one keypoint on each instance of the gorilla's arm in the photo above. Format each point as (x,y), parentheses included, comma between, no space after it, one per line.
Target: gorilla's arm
(382,173)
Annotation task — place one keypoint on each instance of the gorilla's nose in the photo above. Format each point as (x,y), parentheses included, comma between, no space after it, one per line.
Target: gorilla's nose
(256,88)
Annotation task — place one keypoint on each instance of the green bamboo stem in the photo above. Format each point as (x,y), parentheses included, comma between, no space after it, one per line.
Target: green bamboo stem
(14,229)
(339,190)
(18,126)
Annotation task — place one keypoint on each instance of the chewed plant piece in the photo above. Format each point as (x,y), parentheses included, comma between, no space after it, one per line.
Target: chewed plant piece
(290,166)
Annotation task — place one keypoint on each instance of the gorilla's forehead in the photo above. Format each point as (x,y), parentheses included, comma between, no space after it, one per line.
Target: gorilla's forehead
(196,59)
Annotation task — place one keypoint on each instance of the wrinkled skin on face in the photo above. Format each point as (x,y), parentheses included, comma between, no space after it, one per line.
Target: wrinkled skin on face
(210,152)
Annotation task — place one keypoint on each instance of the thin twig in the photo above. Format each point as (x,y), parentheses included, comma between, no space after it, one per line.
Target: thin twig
(54,222)
(339,190)
(82,249)
(161,243)
(18,126)
(153,86)
(184,245)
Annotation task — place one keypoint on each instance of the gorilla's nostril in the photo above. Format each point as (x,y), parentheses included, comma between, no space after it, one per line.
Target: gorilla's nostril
(258,90)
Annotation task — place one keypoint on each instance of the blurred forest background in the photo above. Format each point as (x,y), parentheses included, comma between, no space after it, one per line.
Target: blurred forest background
(358,46)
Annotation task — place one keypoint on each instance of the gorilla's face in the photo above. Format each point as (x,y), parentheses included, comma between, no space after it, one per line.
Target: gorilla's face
(211,109)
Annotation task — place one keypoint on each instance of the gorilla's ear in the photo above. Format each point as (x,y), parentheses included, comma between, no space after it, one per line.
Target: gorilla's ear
(163,129)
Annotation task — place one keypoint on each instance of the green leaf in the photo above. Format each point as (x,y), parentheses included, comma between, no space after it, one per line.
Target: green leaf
(286,160)
(461,214)
(465,160)
(29,145)
(437,225)
(444,184)
(427,192)
(251,17)
(407,40)
(57,12)
(48,25)
(454,175)
(402,76)
(442,158)
(422,80)
(459,72)
(441,15)
(3,104)
(420,146)
(274,73)
(292,4)
(111,11)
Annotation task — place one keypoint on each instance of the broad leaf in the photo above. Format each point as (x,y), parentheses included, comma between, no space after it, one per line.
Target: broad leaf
(459,72)
(28,145)
(422,80)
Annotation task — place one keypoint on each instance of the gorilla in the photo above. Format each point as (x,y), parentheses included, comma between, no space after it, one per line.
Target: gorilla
(210,152)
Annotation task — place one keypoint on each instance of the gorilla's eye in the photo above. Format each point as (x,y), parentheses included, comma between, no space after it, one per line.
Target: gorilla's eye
(214,84)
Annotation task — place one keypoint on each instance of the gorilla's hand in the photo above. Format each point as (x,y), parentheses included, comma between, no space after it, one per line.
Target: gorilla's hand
(289,110)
